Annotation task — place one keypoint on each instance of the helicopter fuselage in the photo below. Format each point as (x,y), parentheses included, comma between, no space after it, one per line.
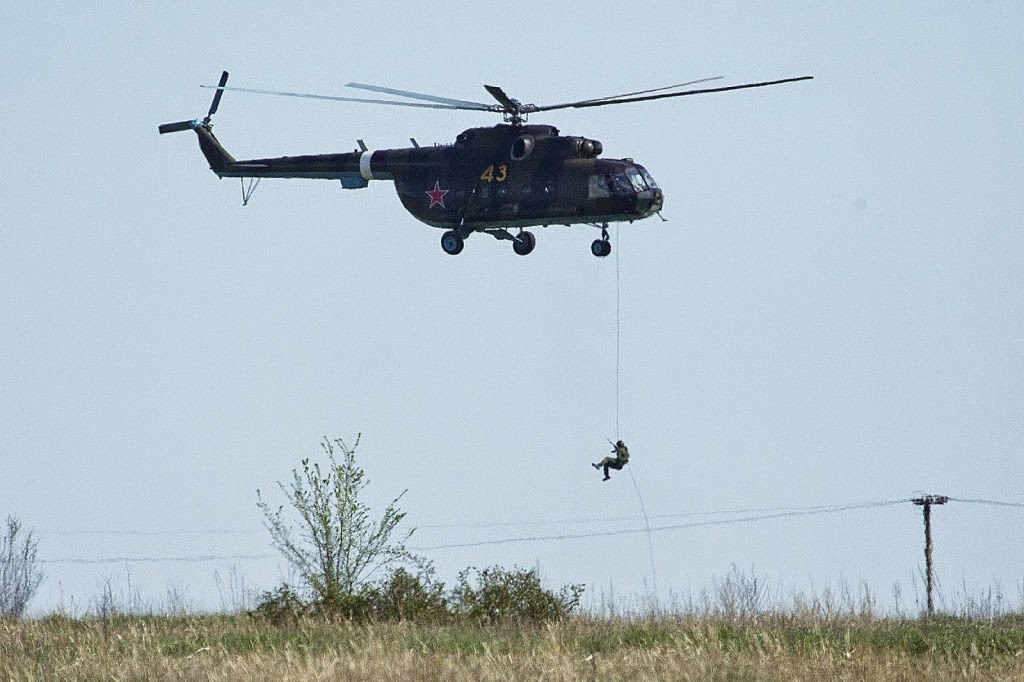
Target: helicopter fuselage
(505,176)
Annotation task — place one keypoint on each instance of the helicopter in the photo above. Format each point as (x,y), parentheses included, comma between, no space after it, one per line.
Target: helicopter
(495,180)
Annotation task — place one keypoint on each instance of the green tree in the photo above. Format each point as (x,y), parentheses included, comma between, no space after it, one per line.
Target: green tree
(338,546)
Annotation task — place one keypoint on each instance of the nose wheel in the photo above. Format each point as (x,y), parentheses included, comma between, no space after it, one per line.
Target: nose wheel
(601,247)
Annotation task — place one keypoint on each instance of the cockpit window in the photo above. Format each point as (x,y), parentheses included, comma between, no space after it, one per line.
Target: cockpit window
(598,187)
(637,180)
(647,178)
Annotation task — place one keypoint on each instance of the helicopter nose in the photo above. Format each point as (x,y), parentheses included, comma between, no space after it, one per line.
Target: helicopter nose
(649,202)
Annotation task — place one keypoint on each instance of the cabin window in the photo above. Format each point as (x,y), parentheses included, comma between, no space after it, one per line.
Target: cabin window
(522,147)
(621,185)
(598,187)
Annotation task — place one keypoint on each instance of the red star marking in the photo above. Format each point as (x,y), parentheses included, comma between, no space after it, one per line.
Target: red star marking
(437,195)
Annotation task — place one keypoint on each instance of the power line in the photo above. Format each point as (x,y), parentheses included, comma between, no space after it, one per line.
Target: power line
(159,559)
(681,526)
(563,521)
(607,519)
(152,533)
(750,515)
(992,503)
(444,526)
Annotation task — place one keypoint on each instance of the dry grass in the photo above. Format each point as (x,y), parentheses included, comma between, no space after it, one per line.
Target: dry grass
(686,648)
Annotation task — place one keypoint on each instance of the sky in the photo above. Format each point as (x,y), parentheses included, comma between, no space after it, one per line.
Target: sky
(831,315)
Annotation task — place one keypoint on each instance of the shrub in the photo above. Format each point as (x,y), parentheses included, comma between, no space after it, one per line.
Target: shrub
(407,596)
(515,595)
(352,607)
(496,595)
(281,606)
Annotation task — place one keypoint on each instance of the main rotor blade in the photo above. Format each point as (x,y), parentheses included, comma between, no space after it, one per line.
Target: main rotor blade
(455,103)
(333,98)
(667,87)
(218,95)
(505,101)
(622,100)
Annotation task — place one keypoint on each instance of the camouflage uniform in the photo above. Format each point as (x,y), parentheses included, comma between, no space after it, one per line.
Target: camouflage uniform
(621,453)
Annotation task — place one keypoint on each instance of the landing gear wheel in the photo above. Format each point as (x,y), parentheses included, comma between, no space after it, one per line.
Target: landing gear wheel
(452,243)
(601,248)
(526,243)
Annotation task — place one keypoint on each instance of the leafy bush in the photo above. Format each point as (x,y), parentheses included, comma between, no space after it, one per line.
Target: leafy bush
(281,606)
(496,595)
(511,596)
(407,596)
(352,607)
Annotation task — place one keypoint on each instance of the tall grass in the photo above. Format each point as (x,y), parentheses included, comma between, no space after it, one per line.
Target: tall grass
(739,629)
(582,647)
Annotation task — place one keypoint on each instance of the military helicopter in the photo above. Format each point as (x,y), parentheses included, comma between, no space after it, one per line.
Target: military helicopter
(497,180)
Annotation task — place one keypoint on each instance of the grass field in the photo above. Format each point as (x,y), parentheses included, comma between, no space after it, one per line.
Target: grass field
(583,647)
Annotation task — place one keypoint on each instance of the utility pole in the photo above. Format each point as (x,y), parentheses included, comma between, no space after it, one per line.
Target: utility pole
(927,501)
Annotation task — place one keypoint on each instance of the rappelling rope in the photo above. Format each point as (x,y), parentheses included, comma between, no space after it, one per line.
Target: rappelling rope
(618,354)
(650,542)
(618,331)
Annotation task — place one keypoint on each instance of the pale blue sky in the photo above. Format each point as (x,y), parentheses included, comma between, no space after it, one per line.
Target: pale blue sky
(832,313)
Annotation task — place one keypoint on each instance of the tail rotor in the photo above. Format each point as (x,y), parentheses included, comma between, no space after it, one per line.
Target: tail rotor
(177,127)
(196,123)
(216,98)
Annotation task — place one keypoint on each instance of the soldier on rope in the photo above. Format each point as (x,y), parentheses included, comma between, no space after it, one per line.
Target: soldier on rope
(620,459)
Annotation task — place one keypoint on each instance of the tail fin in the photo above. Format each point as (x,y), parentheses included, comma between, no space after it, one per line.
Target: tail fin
(213,151)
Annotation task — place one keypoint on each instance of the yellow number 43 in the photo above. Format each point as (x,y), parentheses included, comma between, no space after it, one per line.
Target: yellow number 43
(489,174)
